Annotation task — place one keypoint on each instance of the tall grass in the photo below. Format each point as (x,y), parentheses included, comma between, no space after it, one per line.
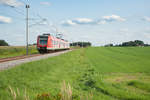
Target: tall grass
(11,51)
(17,95)
(66,93)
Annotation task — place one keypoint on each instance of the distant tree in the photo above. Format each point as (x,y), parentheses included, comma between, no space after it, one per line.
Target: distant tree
(129,43)
(30,44)
(139,43)
(146,45)
(34,43)
(133,43)
(81,44)
(3,43)
(109,45)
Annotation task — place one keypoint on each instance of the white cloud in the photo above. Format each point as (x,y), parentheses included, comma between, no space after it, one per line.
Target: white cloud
(11,3)
(101,22)
(45,3)
(78,21)
(113,18)
(83,21)
(88,21)
(146,18)
(68,23)
(4,19)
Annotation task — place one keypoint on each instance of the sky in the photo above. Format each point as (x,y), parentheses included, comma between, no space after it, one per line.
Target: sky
(97,21)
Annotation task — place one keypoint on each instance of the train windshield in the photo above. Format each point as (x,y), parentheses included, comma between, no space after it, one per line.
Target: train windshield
(43,40)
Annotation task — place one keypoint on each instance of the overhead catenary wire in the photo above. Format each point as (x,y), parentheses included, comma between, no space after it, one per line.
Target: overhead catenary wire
(47,23)
(44,21)
(17,9)
(19,12)
(10,15)
(37,23)
(23,2)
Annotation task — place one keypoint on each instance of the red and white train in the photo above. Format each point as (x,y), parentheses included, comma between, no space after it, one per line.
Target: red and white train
(46,43)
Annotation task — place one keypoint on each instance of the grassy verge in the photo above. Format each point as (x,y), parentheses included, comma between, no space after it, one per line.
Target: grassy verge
(106,73)
(12,51)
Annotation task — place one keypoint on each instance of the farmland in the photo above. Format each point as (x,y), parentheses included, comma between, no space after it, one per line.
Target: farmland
(12,51)
(106,73)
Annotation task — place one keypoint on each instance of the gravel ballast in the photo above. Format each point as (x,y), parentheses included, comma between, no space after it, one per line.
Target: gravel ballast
(9,64)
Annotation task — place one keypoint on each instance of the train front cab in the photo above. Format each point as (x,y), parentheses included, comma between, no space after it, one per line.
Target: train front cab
(42,43)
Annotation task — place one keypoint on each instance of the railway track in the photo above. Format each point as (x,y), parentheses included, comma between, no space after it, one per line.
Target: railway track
(23,57)
(17,57)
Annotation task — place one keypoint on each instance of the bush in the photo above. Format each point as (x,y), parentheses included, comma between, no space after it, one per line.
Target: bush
(3,43)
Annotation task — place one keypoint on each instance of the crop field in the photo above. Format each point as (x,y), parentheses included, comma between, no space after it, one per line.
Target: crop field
(12,51)
(95,73)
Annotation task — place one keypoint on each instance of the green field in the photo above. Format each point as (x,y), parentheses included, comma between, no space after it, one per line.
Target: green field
(104,73)
(12,51)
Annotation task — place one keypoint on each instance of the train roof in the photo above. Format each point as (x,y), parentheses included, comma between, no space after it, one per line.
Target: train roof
(46,35)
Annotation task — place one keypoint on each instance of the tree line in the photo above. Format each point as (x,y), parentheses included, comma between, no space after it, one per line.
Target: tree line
(81,44)
(128,44)
(86,44)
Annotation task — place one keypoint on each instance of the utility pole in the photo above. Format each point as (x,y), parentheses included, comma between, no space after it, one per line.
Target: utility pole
(72,43)
(27,28)
(56,32)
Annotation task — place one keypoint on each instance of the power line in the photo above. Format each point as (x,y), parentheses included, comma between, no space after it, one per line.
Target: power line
(47,21)
(28,1)
(18,18)
(42,20)
(37,23)
(36,17)
(19,12)
(23,2)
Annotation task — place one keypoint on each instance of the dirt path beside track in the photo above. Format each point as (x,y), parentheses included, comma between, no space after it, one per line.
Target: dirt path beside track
(9,64)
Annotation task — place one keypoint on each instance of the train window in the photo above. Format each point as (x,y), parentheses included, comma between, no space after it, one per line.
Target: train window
(53,42)
(43,40)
